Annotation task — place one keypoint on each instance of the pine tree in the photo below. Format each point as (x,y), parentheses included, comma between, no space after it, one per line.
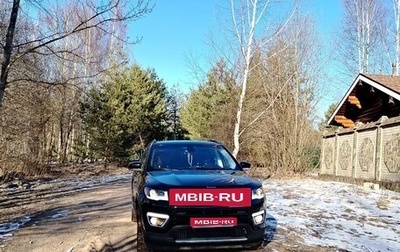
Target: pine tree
(208,106)
(125,113)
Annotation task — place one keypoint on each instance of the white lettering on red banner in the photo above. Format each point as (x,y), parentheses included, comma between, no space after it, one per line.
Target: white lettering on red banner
(213,222)
(227,197)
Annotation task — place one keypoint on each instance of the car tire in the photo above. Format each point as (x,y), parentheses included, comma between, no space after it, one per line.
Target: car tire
(141,245)
(133,215)
(258,246)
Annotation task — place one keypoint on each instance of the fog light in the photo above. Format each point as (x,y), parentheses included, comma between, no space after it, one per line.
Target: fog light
(156,219)
(258,217)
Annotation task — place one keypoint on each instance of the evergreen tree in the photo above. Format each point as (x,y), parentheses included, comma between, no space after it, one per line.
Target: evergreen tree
(125,113)
(206,106)
(328,113)
(174,118)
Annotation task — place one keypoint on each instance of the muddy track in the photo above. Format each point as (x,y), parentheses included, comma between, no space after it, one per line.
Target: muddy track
(92,215)
(83,219)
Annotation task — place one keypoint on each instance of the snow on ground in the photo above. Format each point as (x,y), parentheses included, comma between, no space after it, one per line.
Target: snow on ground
(6,229)
(320,213)
(333,214)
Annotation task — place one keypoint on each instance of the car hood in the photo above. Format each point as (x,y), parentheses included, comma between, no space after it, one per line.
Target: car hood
(200,179)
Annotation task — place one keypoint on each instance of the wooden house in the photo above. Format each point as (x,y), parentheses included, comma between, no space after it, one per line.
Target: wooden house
(368,99)
(365,147)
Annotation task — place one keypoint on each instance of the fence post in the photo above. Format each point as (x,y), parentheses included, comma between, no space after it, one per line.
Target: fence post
(354,154)
(336,153)
(378,152)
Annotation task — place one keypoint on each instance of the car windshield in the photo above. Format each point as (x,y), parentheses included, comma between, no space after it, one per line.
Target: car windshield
(182,157)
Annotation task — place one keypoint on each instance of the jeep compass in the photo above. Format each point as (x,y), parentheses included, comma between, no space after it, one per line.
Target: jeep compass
(190,194)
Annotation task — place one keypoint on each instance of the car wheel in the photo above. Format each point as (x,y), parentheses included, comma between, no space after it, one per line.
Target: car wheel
(133,215)
(141,245)
(258,246)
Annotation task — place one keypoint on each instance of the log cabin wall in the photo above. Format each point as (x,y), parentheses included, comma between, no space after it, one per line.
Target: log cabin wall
(367,152)
(365,103)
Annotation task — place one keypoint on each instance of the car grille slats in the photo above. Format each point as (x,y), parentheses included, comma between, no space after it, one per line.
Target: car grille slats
(211,212)
(191,233)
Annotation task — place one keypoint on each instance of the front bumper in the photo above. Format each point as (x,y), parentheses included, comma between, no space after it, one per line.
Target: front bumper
(187,238)
(177,234)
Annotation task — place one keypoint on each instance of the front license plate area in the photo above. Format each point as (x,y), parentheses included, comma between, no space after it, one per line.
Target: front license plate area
(215,197)
(207,222)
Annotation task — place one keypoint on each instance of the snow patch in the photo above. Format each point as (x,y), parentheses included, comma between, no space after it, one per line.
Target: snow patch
(334,214)
(7,228)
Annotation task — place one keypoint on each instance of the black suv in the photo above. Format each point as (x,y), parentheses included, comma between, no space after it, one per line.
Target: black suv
(190,194)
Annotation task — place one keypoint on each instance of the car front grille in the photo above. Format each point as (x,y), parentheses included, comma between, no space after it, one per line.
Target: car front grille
(193,233)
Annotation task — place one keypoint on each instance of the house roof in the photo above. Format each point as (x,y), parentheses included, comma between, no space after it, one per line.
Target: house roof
(390,82)
(369,97)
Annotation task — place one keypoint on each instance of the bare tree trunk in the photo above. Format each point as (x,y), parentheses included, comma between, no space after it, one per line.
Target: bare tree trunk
(103,14)
(8,49)
(368,19)
(247,51)
(245,25)
(396,6)
(362,35)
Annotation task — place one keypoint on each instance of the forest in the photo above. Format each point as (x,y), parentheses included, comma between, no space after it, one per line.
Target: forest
(68,93)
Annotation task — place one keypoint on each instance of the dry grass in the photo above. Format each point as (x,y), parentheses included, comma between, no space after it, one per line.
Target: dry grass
(383,201)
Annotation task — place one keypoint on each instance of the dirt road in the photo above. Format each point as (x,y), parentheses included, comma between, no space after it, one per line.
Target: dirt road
(95,219)
(88,215)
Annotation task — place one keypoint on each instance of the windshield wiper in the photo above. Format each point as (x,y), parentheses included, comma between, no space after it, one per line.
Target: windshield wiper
(208,167)
(161,169)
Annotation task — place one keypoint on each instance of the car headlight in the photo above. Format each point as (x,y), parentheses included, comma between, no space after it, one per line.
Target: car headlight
(258,193)
(156,195)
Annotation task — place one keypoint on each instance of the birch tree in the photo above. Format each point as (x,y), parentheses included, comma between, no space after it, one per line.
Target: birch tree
(282,90)
(246,19)
(245,36)
(100,14)
(76,65)
(48,69)
(361,40)
(396,9)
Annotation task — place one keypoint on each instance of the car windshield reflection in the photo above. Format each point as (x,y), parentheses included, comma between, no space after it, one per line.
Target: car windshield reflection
(181,157)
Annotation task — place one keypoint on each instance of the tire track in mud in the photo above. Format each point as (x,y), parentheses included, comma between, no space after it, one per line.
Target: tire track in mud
(73,219)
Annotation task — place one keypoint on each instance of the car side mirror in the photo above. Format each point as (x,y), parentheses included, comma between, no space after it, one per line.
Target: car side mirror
(135,165)
(245,165)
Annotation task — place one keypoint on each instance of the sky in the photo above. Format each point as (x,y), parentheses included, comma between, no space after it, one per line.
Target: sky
(178,30)
(170,33)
